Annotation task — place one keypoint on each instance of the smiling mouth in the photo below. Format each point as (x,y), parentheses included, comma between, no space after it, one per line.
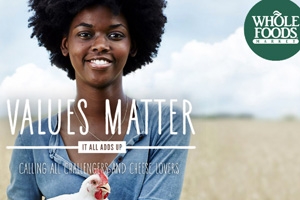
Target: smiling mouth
(99,63)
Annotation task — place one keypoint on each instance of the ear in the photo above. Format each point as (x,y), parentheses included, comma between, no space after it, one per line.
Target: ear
(64,46)
(133,49)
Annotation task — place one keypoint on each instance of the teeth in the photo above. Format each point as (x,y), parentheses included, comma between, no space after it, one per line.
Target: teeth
(99,62)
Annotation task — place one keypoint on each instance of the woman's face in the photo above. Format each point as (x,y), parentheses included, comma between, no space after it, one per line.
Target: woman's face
(98,44)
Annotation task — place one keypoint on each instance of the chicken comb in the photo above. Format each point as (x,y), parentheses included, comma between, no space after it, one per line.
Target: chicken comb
(102,175)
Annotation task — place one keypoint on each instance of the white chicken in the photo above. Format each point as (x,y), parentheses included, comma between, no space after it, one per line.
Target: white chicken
(95,187)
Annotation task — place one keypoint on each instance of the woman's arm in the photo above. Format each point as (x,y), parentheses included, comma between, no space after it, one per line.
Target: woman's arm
(22,185)
(166,173)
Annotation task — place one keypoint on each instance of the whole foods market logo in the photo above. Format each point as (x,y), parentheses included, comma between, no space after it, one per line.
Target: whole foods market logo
(275,29)
(272,29)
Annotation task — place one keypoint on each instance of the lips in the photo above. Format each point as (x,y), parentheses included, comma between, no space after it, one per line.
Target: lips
(99,63)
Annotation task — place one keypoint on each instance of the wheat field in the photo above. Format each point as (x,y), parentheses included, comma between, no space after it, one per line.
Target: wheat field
(234,159)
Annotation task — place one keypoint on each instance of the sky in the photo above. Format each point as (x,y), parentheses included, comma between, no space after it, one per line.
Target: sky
(203,58)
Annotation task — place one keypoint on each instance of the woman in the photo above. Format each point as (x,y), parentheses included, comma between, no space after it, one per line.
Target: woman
(96,43)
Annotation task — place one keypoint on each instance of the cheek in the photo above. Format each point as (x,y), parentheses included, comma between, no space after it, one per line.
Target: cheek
(77,54)
(122,52)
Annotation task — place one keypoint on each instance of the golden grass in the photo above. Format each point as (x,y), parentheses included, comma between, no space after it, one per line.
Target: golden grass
(234,160)
(244,160)
(5,139)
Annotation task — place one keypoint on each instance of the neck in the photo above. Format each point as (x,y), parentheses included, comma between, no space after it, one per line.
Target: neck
(85,194)
(95,110)
(96,97)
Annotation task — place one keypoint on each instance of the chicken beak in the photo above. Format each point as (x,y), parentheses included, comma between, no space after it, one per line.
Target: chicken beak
(105,188)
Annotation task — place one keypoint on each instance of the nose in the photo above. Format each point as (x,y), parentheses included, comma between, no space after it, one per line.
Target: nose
(100,44)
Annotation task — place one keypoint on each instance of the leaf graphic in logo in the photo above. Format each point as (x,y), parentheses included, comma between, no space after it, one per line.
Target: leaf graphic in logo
(276,13)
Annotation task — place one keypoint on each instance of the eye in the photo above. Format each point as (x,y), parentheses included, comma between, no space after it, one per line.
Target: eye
(93,182)
(116,36)
(85,35)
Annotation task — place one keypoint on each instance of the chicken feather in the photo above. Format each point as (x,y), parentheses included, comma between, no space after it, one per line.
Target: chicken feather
(95,187)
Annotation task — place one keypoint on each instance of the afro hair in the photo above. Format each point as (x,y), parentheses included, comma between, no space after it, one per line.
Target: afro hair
(52,18)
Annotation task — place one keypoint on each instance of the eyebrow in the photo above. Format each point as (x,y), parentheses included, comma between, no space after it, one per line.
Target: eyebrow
(117,25)
(91,26)
(85,25)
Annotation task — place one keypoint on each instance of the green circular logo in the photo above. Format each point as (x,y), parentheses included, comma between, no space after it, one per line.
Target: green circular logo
(272,29)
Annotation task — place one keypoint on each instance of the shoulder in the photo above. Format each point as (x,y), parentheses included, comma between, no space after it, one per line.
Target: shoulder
(156,107)
(164,116)
(38,131)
